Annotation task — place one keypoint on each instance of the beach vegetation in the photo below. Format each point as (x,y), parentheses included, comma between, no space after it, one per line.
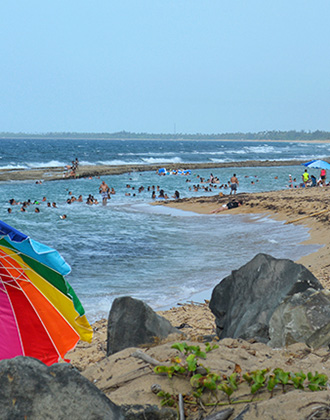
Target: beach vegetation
(207,387)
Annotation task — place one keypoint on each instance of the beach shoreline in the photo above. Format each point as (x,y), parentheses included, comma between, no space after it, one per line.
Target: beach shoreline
(61,173)
(309,207)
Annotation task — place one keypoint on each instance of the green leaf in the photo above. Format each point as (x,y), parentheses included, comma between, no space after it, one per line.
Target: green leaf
(179,346)
(247,376)
(225,388)
(255,387)
(192,363)
(195,381)
(298,379)
(208,347)
(233,380)
(178,369)
(210,381)
(272,382)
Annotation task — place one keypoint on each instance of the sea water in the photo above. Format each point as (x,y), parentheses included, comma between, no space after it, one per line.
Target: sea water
(160,255)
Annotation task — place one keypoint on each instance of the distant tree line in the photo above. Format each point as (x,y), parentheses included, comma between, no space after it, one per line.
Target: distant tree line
(125,135)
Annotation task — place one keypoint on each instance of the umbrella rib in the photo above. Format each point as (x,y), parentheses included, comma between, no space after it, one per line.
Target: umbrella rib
(24,265)
(12,278)
(27,280)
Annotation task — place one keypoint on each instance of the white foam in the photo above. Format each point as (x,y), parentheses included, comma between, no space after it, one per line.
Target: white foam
(49,164)
(161,160)
(159,209)
(262,149)
(13,167)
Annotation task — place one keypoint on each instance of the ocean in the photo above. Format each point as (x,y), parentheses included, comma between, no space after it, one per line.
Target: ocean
(160,255)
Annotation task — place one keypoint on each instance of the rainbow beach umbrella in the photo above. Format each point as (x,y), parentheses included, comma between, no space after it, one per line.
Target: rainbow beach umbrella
(40,314)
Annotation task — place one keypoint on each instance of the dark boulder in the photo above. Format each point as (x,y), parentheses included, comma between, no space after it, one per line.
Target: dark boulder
(32,390)
(244,302)
(133,323)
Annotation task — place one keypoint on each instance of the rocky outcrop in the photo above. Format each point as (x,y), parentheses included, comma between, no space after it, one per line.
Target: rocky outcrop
(132,323)
(32,390)
(245,301)
(304,317)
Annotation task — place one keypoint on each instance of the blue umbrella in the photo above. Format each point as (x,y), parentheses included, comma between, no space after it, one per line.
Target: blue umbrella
(317,164)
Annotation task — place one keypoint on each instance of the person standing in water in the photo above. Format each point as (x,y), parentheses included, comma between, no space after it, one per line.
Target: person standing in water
(233,184)
(104,191)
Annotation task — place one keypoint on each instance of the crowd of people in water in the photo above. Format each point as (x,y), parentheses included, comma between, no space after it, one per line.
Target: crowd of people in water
(206,184)
(156,193)
(25,205)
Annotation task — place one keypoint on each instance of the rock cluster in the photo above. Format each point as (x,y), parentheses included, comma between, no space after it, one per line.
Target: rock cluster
(273,301)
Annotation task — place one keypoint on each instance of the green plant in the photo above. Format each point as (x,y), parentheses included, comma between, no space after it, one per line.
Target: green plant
(201,382)
(272,382)
(187,365)
(209,348)
(256,379)
(229,385)
(317,382)
(185,349)
(168,399)
(298,379)
(170,370)
(282,377)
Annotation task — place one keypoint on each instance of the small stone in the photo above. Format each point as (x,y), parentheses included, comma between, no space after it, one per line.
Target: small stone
(155,388)
(201,370)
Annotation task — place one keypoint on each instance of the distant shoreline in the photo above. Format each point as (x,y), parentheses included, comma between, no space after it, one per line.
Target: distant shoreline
(59,173)
(174,139)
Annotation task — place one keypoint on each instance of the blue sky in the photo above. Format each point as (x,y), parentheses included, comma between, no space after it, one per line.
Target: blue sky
(162,65)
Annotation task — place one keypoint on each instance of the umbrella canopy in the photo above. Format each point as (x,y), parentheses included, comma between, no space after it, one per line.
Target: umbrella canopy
(317,164)
(40,315)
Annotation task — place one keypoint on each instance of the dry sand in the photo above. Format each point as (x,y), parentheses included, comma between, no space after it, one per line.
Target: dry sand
(127,380)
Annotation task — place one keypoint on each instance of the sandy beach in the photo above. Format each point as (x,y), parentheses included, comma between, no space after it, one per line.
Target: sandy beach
(309,207)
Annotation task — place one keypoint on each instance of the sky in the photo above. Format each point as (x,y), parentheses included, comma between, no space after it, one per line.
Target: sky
(164,66)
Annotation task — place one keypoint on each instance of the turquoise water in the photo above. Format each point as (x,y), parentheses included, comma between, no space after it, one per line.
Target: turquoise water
(160,255)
